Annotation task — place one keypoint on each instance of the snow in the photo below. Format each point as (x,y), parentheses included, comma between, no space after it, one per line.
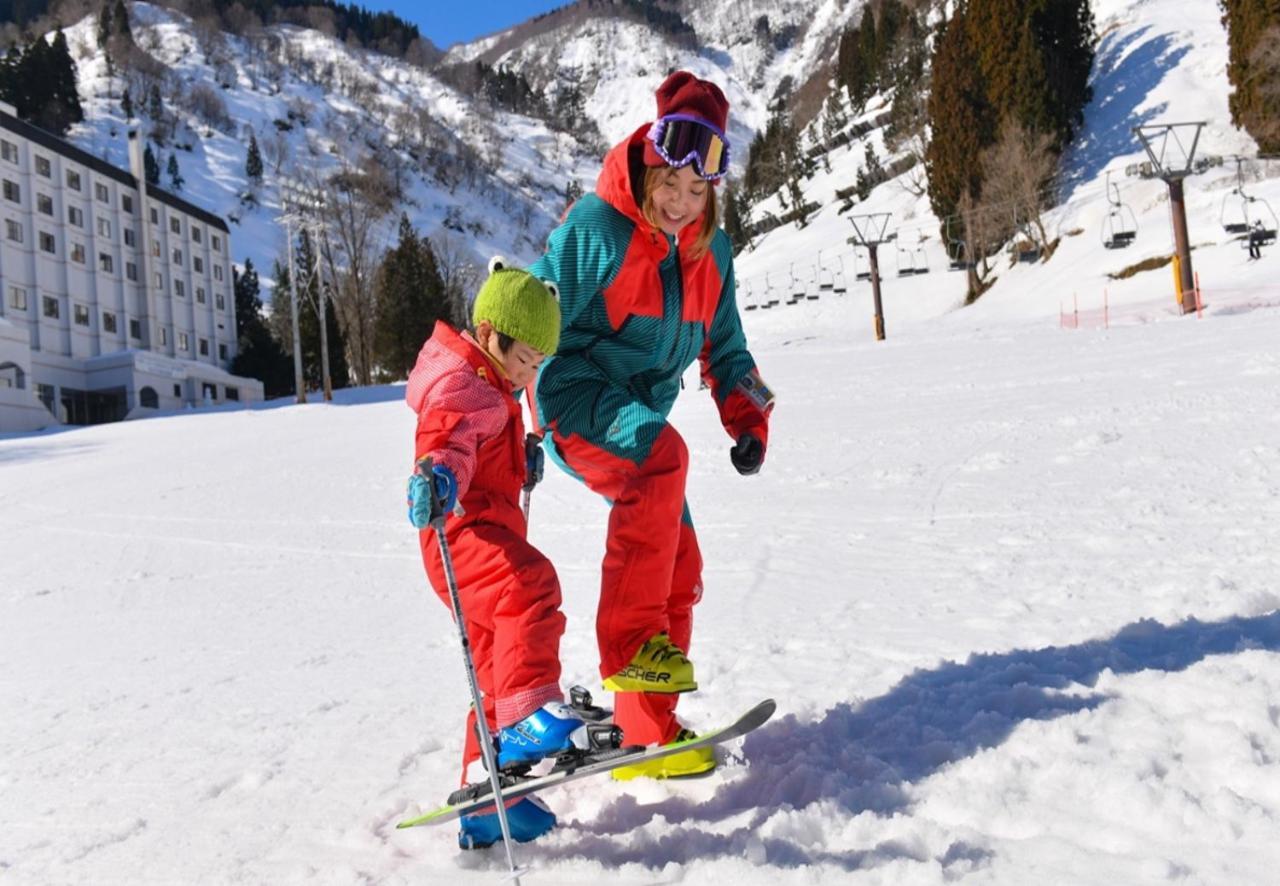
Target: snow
(1013,585)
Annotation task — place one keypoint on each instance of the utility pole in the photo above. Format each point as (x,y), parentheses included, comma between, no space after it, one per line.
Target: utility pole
(300,384)
(305,203)
(1171,149)
(869,231)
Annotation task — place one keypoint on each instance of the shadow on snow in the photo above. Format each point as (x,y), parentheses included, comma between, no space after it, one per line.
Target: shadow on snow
(865,757)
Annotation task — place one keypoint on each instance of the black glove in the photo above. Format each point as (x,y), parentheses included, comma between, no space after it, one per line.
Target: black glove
(533,461)
(747,454)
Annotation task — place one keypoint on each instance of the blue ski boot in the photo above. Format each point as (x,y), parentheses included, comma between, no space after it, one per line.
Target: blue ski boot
(528,819)
(552,728)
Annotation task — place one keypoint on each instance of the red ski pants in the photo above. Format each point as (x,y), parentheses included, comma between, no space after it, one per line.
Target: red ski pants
(511,606)
(652,572)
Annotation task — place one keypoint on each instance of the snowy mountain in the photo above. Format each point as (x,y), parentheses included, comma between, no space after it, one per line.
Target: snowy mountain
(490,181)
(747,46)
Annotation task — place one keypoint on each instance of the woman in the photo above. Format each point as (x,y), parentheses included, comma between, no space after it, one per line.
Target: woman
(646,286)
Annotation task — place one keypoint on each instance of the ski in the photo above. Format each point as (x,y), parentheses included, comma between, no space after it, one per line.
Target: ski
(475,797)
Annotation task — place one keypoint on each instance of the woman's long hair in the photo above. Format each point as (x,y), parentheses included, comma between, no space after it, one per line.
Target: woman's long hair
(653,177)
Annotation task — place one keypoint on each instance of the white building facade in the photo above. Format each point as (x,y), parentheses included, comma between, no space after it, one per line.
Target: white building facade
(116,298)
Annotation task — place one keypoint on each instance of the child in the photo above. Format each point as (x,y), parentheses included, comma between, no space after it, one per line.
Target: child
(463,389)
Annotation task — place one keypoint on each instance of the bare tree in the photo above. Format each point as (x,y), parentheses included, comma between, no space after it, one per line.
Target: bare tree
(1016,171)
(459,273)
(358,201)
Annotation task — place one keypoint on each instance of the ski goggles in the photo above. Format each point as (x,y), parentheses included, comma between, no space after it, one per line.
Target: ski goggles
(680,140)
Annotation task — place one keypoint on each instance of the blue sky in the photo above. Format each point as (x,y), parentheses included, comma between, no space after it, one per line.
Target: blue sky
(462,20)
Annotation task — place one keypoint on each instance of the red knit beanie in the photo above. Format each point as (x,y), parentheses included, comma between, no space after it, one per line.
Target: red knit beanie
(683,93)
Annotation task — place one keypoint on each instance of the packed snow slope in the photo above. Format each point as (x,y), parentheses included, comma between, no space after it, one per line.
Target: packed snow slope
(1014,588)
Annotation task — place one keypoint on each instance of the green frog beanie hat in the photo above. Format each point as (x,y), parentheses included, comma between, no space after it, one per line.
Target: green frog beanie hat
(520,305)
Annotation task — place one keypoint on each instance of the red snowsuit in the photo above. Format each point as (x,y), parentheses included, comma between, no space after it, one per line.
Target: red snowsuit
(470,422)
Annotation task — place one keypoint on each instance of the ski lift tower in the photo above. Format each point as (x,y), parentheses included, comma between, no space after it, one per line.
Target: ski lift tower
(1171,149)
(869,231)
(304,205)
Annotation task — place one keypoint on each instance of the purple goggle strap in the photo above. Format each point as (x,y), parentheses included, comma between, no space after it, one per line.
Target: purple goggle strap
(658,130)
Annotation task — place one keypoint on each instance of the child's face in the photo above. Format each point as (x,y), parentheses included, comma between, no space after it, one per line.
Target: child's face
(679,199)
(520,362)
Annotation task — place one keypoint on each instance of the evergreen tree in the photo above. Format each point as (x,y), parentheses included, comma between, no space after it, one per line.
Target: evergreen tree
(572,193)
(1253,67)
(410,298)
(871,173)
(64,109)
(176,181)
(962,120)
(104,27)
(253,161)
(126,105)
(120,22)
(151,166)
(40,82)
(258,354)
(734,225)
(155,105)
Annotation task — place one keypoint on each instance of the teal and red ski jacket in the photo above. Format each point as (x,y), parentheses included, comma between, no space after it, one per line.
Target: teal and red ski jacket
(636,311)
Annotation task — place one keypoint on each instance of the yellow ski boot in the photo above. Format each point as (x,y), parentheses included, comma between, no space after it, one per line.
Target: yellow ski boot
(659,666)
(685,764)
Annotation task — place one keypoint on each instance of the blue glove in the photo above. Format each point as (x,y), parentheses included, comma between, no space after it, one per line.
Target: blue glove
(428,500)
(534,460)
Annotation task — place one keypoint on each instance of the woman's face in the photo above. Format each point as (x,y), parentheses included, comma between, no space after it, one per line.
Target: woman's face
(679,198)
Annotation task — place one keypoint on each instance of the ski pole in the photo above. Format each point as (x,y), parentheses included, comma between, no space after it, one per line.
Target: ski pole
(482,723)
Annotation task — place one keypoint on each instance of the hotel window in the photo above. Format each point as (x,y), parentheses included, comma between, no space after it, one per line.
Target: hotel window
(12,191)
(77,252)
(73,180)
(130,238)
(47,242)
(184,343)
(50,307)
(43,166)
(195,235)
(217,272)
(197,264)
(155,216)
(105,263)
(17,298)
(217,243)
(81,313)
(155,248)
(126,203)
(13,230)
(159,280)
(75,216)
(222,352)
(131,271)
(179,288)
(101,192)
(177,256)
(44,204)
(221,301)
(232,393)
(200,299)
(9,151)
(108,322)
(164,336)
(204,347)
(135,329)
(104,227)
(175,225)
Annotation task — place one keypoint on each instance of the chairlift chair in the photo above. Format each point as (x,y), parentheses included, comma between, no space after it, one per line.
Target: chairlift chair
(797,287)
(861,266)
(957,251)
(839,285)
(812,287)
(751,304)
(1120,227)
